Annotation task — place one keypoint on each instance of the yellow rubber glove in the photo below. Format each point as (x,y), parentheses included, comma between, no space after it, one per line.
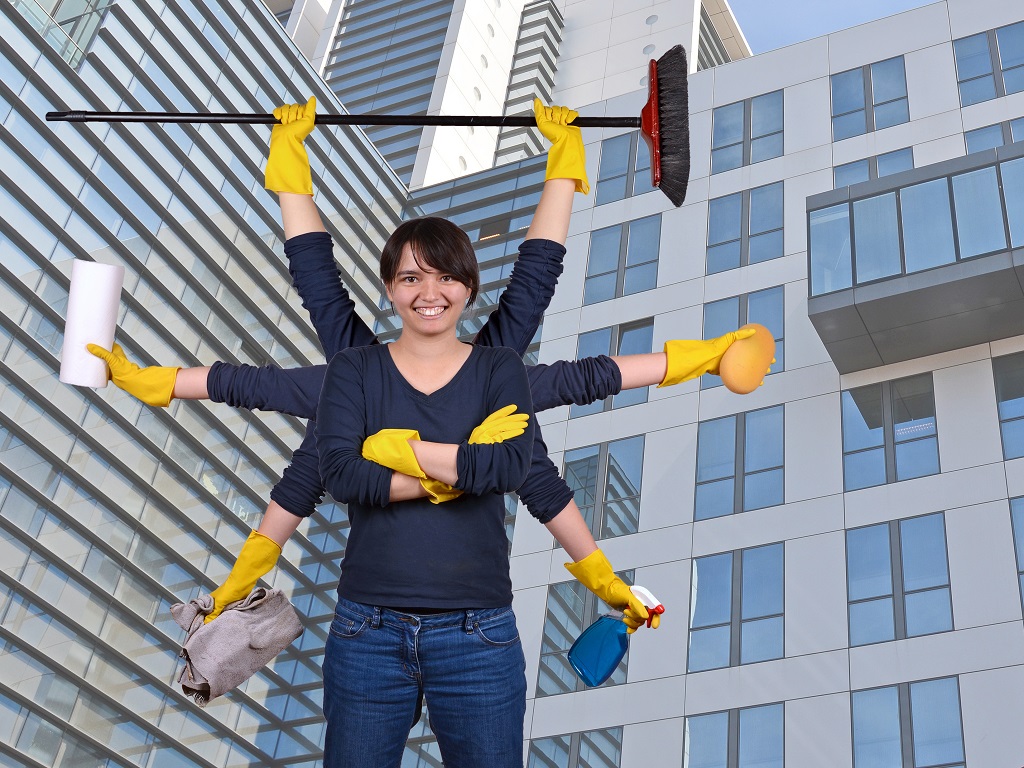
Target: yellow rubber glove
(153,385)
(259,554)
(502,425)
(689,359)
(390,448)
(567,159)
(288,164)
(595,573)
(438,491)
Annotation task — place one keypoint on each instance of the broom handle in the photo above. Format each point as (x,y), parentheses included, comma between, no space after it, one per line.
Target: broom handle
(79,116)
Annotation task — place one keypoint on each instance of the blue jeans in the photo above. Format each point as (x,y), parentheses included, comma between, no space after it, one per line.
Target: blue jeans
(468,665)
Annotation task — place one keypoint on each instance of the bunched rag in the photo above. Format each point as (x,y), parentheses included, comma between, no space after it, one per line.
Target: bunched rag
(223,654)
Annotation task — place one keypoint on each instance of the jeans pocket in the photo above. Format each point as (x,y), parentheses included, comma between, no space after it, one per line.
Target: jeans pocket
(347,623)
(499,631)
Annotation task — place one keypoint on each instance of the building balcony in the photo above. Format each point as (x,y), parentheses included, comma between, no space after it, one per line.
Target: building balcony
(920,262)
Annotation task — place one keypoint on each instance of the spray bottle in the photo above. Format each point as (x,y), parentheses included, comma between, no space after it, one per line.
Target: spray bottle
(601,646)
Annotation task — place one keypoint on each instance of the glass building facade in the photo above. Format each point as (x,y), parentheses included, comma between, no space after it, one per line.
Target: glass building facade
(111,511)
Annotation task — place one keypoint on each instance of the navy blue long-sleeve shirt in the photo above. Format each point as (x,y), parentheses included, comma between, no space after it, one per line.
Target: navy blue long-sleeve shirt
(295,391)
(415,553)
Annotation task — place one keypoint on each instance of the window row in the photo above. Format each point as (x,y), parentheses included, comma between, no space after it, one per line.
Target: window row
(909,725)
(992,136)
(917,227)
(889,434)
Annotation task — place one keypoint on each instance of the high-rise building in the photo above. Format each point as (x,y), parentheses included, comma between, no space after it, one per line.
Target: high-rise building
(841,552)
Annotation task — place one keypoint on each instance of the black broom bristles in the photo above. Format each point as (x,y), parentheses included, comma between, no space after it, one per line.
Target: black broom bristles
(674,120)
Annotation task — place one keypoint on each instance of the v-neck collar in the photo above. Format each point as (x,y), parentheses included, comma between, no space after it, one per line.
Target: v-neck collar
(437,393)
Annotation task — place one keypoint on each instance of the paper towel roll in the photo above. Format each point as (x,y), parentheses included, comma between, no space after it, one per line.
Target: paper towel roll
(92,314)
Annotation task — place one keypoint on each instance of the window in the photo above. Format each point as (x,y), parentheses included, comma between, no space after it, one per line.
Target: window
(630,339)
(869,98)
(623,260)
(992,136)
(745,738)
(747,132)
(625,168)
(917,227)
(1008,372)
(745,228)
(1017,515)
(766,307)
(873,167)
(590,749)
(897,579)
(889,432)
(605,480)
(571,608)
(910,725)
(740,463)
(736,611)
(990,64)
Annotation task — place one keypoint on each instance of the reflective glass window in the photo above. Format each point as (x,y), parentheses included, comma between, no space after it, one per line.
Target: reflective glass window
(974,69)
(623,260)
(851,173)
(889,93)
(927,225)
(761,737)
(766,126)
(848,104)
(1008,372)
(895,162)
(831,265)
(736,608)
(727,137)
(606,481)
(725,227)
(1017,516)
(877,238)
(877,737)
(979,212)
(935,716)
(1010,44)
(981,139)
(765,223)
(1012,173)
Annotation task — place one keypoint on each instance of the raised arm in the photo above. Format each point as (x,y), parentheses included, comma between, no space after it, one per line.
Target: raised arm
(522,304)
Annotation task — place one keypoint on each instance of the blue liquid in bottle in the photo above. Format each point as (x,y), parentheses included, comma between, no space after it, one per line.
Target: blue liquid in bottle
(599,649)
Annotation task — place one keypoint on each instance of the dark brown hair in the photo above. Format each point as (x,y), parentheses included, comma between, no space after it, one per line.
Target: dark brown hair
(436,243)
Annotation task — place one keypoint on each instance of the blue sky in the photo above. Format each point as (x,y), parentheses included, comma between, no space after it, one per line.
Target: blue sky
(770,24)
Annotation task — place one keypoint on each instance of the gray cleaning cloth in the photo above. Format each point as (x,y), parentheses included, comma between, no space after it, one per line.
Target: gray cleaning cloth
(223,654)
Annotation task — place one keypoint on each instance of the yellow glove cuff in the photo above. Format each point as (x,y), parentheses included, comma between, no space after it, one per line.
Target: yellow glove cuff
(390,448)
(258,555)
(595,573)
(567,159)
(288,166)
(689,359)
(438,491)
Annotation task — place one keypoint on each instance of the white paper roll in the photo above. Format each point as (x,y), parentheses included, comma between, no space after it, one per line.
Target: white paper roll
(92,315)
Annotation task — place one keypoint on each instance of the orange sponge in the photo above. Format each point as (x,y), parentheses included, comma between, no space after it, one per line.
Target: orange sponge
(746,361)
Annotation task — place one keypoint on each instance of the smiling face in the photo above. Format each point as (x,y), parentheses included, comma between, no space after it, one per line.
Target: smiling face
(428,300)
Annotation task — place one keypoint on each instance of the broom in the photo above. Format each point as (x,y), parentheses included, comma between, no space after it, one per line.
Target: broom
(663,122)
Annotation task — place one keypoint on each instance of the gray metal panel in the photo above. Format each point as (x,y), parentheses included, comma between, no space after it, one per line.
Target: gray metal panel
(950,307)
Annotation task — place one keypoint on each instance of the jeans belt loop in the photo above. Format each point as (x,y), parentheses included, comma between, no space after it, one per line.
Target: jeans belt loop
(375,621)
(469,622)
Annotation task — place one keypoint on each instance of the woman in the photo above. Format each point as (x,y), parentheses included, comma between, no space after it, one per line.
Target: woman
(424,605)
